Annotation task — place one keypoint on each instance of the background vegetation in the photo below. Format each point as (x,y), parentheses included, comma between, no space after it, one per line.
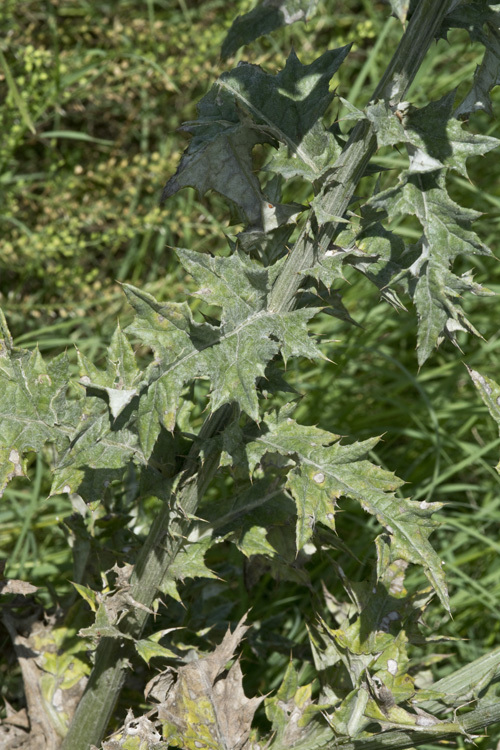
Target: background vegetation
(91,95)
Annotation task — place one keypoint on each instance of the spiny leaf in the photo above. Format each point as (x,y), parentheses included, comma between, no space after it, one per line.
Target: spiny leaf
(223,164)
(121,379)
(446,234)
(189,563)
(235,284)
(439,316)
(489,392)
(248,106)
(97,455)
(291,712)
(400,9)
(323,470)
(486,77)
(329,267)
(446,224)
(316,154)
(381,258)
(266,246)
(233,355)
(34,407)
(207,703)
(149,648)
(260,520)
(473,17)
(434,138)
(263,19)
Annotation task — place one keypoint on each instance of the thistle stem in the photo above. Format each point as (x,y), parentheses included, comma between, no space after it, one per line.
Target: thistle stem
(167,534)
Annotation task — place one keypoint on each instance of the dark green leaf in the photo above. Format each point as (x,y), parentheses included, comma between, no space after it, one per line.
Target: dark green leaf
(486,77)
(266,17)
(475,17)
(248,106)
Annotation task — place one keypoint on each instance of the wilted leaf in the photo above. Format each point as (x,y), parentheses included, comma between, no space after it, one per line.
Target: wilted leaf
(206,704)
(400,9)
(137,733)
(54,671)
(13,586)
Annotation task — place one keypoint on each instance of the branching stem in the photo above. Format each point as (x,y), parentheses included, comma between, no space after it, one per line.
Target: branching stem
(166,536)
(359,149)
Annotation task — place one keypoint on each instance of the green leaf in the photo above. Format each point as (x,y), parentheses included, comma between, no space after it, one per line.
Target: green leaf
(489,392)
(435,132)
(248,106)
(311,159)
(189,563)
(233,355)
(381,258)
(329,267)
(149,648)
(263,19)
(434,138)
(446,234)
(121,379)
(291,712)
(34,409)
(486,77)
(322,471)
(88,594)
(97,456)
(387,126)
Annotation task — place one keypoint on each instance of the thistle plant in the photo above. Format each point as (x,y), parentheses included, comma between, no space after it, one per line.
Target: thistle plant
(133,423)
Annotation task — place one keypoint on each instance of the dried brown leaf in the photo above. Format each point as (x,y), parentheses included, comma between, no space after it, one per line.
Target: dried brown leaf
(207,702)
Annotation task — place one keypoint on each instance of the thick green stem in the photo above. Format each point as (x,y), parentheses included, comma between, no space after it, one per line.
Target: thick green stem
(160,549)
(351,164)
(167,532)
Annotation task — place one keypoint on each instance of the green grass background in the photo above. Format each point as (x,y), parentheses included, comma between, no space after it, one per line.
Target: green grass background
(91,95)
